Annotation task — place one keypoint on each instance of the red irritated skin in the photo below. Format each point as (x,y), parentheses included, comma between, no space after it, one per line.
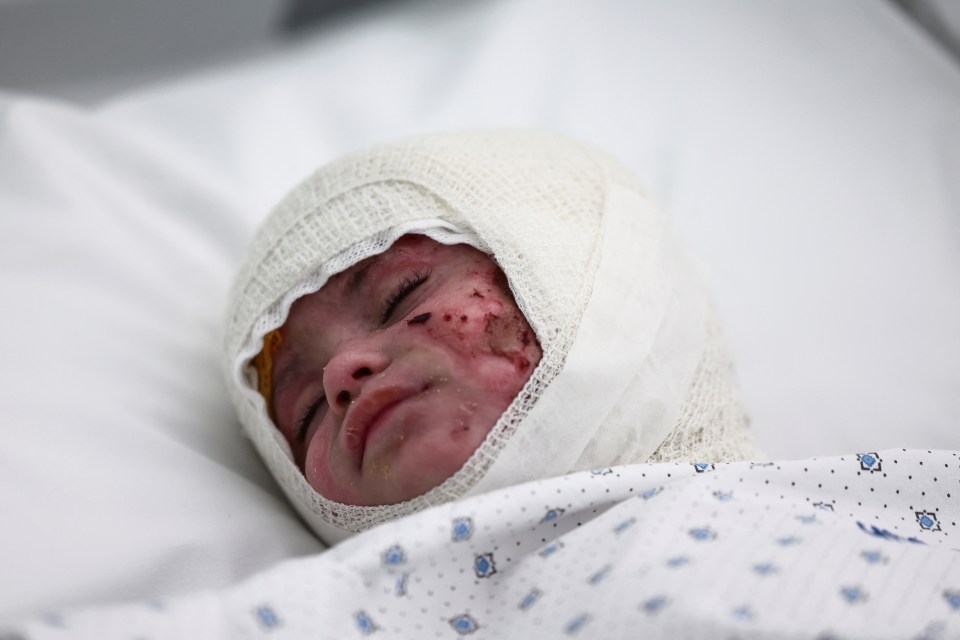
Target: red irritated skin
(390,376)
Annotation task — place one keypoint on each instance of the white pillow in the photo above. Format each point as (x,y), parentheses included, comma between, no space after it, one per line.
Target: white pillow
(122,470)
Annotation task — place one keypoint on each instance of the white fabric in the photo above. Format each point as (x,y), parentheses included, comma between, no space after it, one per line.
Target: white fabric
(621,341)
(806,151)
(858,546)
(642,335)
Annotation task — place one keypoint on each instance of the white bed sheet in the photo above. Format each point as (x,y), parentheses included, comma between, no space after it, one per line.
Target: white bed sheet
(808,152)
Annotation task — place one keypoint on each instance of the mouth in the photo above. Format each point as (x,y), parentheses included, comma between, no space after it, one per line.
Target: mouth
(370,412)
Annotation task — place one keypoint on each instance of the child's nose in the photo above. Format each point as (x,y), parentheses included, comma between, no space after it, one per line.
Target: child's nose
(347,372)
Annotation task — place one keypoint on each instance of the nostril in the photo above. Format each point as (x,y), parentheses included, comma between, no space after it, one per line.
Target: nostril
(343,397)
(362,372)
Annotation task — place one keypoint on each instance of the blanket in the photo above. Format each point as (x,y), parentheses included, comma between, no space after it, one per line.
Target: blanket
(857,546)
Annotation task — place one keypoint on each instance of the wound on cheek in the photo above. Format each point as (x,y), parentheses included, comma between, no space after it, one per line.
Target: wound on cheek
(508,339)
(420,319)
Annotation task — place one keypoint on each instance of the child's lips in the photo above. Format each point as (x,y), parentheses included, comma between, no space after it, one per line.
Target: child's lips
(370,411)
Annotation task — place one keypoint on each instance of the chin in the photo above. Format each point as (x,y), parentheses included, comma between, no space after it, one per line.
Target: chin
(398,474)
(417,483)
(418,475)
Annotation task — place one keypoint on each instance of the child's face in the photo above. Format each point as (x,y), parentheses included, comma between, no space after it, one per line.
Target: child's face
(390,376)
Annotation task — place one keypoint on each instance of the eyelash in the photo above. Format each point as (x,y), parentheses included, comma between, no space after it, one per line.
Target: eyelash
(303,424)
(405,288)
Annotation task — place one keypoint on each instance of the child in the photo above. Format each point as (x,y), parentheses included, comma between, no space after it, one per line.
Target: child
(386,380)
(450,314)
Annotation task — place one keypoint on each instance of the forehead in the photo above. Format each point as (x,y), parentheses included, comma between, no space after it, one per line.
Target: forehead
(406,248)
(343,290)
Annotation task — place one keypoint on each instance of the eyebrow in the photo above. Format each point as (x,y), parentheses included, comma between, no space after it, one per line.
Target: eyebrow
(352,286)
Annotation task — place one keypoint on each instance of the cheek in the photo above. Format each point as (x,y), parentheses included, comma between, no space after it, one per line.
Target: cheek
(327,471)
(510,337)
(482,324)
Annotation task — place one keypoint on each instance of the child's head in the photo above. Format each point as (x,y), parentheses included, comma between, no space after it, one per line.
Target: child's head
(386,380)
(454,313)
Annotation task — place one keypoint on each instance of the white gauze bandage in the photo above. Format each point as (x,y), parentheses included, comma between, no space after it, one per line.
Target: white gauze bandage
(633,368)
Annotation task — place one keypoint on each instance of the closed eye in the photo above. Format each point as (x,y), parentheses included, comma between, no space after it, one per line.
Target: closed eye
(303,424)
(404,289)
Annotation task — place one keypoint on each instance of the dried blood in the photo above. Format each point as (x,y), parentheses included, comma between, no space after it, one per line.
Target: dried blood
(420,319)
